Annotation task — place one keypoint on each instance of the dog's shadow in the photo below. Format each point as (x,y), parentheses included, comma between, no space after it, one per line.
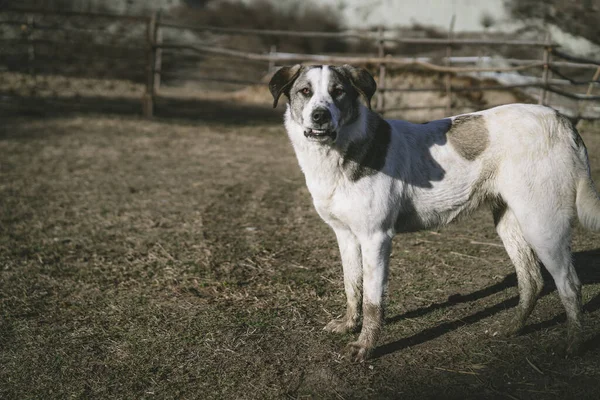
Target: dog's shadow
(587,264)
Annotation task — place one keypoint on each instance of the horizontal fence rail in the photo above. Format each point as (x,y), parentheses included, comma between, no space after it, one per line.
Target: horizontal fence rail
(67,13)
(372,36)
(291,57)
(389,60)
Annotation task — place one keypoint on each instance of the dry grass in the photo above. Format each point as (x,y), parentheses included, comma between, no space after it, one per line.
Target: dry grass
(23,84)
(177,259)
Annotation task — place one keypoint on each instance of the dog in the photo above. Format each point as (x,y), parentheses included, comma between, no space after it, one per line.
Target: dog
(371,178)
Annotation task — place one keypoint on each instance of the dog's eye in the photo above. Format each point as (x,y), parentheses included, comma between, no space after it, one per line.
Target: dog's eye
(337,92)
(306,91)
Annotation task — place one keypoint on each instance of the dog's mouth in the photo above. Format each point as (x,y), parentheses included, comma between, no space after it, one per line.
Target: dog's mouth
(320,134)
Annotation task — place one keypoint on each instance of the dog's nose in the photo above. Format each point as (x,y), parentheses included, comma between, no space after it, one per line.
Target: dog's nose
(321,116)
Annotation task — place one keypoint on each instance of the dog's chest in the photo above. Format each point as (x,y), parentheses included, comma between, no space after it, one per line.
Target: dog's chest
(335,196)
(335,205)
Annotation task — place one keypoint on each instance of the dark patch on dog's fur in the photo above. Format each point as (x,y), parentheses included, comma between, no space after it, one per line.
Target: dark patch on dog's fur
(361,80)
(367,157)
(499,208)
(566,120)
(567,123)
(282,80)
(469,136)
(349,104)
(408,219)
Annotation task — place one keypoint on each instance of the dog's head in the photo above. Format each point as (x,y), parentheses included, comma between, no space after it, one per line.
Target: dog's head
(323,98)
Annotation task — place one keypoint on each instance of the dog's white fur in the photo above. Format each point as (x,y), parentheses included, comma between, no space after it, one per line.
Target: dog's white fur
(532,169)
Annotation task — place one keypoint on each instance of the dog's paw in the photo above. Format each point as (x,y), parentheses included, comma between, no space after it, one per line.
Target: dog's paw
(513,328)
(341,325)
(357,352)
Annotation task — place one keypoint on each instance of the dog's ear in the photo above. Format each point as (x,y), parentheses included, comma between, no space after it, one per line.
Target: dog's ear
(361,80)
(282,81)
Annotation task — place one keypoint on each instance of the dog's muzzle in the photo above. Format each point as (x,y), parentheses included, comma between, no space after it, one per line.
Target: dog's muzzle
(322,126)
(320,134)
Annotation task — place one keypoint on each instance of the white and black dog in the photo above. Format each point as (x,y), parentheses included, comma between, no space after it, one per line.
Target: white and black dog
(371,178)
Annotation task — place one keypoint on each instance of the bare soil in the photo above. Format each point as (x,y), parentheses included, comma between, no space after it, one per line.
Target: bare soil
(184,259)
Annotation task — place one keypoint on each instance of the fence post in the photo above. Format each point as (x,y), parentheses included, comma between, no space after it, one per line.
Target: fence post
(272,52)
(448,76)
(31,47)
(588,92)
(381,53)
(158,53)
(594,79)
(546,73)
(148,101)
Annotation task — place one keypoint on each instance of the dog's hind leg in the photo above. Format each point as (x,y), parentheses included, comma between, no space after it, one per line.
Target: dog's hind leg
(549,234)
(526,264)
(558,261)
(352,266)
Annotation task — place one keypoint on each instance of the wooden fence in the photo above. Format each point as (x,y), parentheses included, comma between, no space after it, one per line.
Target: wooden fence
(383,42)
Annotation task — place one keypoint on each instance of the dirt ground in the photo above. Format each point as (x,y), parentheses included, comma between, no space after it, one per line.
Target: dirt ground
(184,259)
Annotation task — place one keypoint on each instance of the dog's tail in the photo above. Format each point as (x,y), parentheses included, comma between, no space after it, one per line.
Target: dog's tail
(588,204)
(587,200)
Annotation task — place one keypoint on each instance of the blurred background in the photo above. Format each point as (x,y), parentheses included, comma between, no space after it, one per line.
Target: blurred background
(172,57)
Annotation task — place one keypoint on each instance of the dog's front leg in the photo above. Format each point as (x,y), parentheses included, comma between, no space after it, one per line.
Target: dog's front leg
(352,266)
(375,255)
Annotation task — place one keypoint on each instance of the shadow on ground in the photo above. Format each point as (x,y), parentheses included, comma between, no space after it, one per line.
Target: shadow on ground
(588,269)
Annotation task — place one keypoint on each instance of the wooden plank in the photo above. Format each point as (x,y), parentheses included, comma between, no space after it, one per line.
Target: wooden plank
(157,53)
(579,60)
(271,66)
(244,82)
(463,89)
(593,81)
(31,47)
(448,76)
(64,13)
(575,96)
(414,108)
(148,98)
(353,35)
(381,54)
(294,57)
(546,72)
